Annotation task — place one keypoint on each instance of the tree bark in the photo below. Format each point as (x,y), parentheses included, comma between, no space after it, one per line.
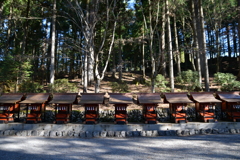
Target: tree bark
(171,74)
(52,68)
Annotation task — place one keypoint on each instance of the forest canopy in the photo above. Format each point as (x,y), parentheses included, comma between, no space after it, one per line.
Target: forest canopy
(42,41)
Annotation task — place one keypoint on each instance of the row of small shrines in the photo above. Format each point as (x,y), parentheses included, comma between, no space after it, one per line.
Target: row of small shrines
(205,105)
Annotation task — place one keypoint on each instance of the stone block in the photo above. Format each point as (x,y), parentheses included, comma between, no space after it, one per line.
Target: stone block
(70,133)
(103,134)
(154,133)
(197,131)
(233,131)
(41,133)
(24,133)
(226,131)
(110,133)
(237,130)
(1,133)
(59,133)
(82,134)
(136,133)
(96,134)
(221,131)
(162,133)
(123,134)
(76,134)
(34,133)
(178,132)
(192,132)
(64,133)
(117,133)
(6,132)
(149,133)
(129,133)
(46,133)
(214,131)
(185,132)
(143,133)
(12,132)
(170,133)
(203,131)
(53,133)
(208,131)
(89,134)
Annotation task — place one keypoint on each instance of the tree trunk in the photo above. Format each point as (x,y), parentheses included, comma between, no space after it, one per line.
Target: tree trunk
(143,55)
(52,68)
(177,47)
(197,52)
(163,59)
(171,74)
(203,43)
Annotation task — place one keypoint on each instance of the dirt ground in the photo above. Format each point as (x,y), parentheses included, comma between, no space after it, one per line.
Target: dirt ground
(128,77)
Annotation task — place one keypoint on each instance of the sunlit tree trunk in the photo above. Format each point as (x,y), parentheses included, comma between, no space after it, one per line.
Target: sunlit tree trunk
(53,41)
(171,74)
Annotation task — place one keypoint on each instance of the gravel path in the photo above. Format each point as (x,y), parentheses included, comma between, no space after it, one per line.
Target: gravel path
(167,147)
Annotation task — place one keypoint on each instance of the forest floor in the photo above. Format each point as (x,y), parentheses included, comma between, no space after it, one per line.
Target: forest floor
(129,77)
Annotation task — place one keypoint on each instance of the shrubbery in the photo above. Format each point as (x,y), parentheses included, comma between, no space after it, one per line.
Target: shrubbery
(62,86)
(227,81)
(119,87)
(188,79)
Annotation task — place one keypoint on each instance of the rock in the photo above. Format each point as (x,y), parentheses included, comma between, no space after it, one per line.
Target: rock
(179,133)
(35,133)
(10,133)
(136,133)
(129,133)
(41,133)
(53,133)
(197,131)
(96,134)
(1,133)
(208,131)
(123,134)
(162,133)
(203,131)
(76,134)
(185,132)
(215,131)
(233,131)
(82,134)
(46,133)
(64,133)
(110,133)
(148,133)
(221,131)
(154,133)
(143,133)
(89,134)
(170,133)
(117,134)
(192,132)
(103,134)
(70,133)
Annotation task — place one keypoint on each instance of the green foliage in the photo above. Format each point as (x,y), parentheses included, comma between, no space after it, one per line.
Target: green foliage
(227,81)
(189,80)
(30,87)
(119,87)
(62,86)
(161,82)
